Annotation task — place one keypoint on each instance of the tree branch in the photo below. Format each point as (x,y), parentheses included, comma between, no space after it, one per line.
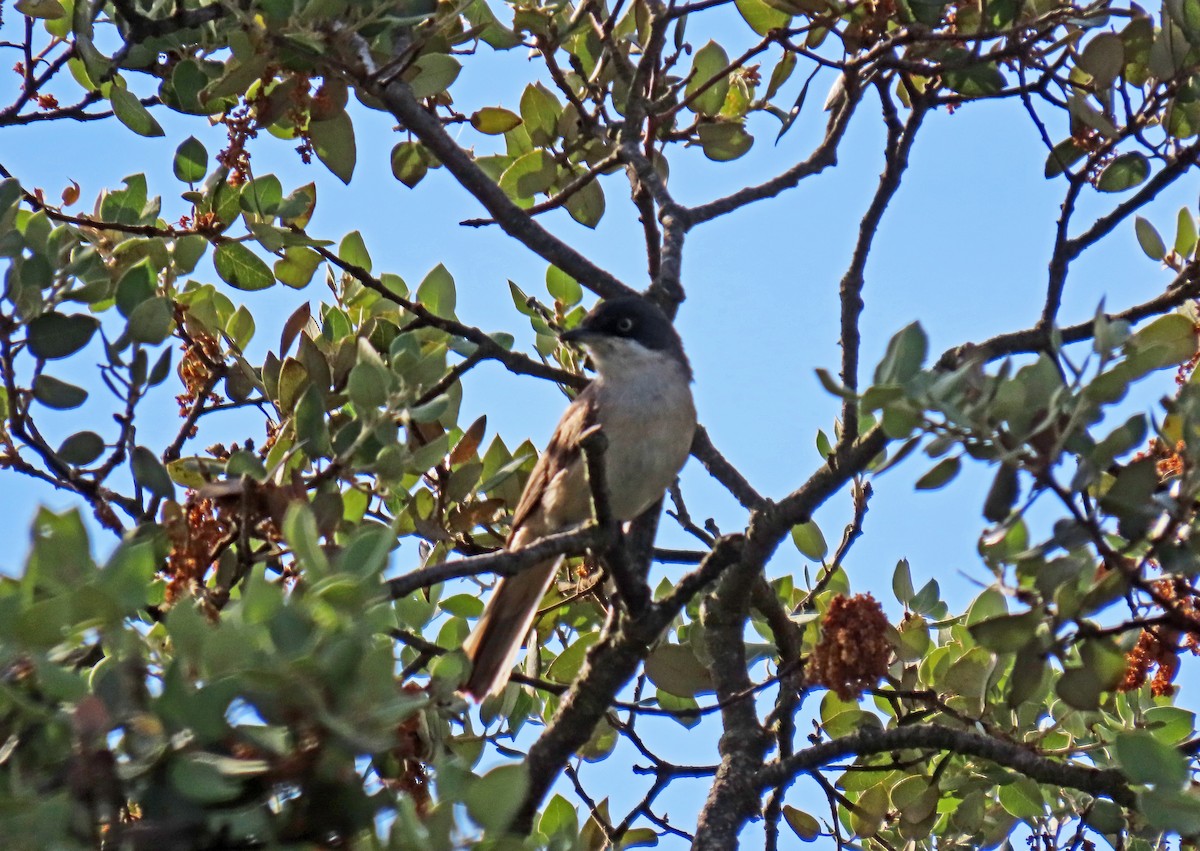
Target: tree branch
(1108,783)
(399,100)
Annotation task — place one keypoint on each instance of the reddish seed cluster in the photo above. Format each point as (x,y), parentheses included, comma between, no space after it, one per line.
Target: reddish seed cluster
(853,652)
(1159,647)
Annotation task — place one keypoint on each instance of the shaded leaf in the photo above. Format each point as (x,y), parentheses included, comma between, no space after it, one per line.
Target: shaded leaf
(58,394)
(150,474)
(57,335)
(1149,239)
(81,448)
(333,141)
(191,161)
(1124,172)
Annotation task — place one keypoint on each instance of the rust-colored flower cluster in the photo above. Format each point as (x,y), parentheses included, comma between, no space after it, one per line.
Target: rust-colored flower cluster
(853,652)
(197,533)
(241,126)
(411,753)
(201,354)
(1159,646)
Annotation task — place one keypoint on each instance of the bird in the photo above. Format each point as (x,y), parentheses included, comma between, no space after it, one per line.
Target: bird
(641,402)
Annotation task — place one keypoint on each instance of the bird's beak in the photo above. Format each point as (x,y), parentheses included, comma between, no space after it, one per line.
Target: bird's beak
(577,335)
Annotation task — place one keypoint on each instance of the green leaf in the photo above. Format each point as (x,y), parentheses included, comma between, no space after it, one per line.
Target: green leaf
(367,386)
(295,269)
(809,540)
(782,71)
(802,824)
(1002,496)
(241,268)
(240,327)
(437,293)
(211,778)
(353,250)
(132,114)
(191,161)
(432,74)
(587,205)
(298,207)
(1170,724)
(57,335)
(675,669)
(333,140)
(1185,233)
(408,163)
(1165,342)
(81,448)
(902,584)
(57,394)
(540,110)
(10,194)
(709,61)
(567,666)
(1124,172)
(150,474)
(761,17)
(137,285)
(1149,239)
(724,142)
(1145,759)
(47,10)
(300,532)
(494,121)
(1007,633)
(262,196)
(312,430)
(905,354)
(1079,688)
(1022,798)
(940,475)
(493,800)
(1062,156)
(150,322)
(563,287)
(529,175)
(1103,57)
(1178,812)
(976,81)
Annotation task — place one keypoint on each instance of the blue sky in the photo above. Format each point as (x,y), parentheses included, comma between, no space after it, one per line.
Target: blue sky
(963,249)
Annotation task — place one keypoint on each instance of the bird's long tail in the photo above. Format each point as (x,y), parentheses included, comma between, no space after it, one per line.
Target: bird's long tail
(495,641)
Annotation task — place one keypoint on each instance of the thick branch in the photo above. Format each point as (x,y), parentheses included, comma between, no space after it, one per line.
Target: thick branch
(399,100)
(501,562)
(824,156)
(733,797)
(1108,783)
(900,140)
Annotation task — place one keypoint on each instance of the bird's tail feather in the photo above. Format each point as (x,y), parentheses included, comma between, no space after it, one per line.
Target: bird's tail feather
(495,641)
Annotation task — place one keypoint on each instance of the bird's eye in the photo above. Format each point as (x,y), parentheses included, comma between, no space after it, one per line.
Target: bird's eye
(624,324)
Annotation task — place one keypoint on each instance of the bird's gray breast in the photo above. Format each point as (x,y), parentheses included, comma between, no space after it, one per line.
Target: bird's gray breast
(649,418)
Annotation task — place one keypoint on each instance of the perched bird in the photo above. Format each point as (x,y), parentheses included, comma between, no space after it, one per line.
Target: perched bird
(642,402)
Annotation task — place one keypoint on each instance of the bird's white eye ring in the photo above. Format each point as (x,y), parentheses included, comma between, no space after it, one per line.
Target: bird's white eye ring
(625,325)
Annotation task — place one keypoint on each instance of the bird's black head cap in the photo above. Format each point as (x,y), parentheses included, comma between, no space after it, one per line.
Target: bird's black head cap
(631,317)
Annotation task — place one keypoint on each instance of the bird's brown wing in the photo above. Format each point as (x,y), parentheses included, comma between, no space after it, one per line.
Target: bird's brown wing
(562,451)
(496,640)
